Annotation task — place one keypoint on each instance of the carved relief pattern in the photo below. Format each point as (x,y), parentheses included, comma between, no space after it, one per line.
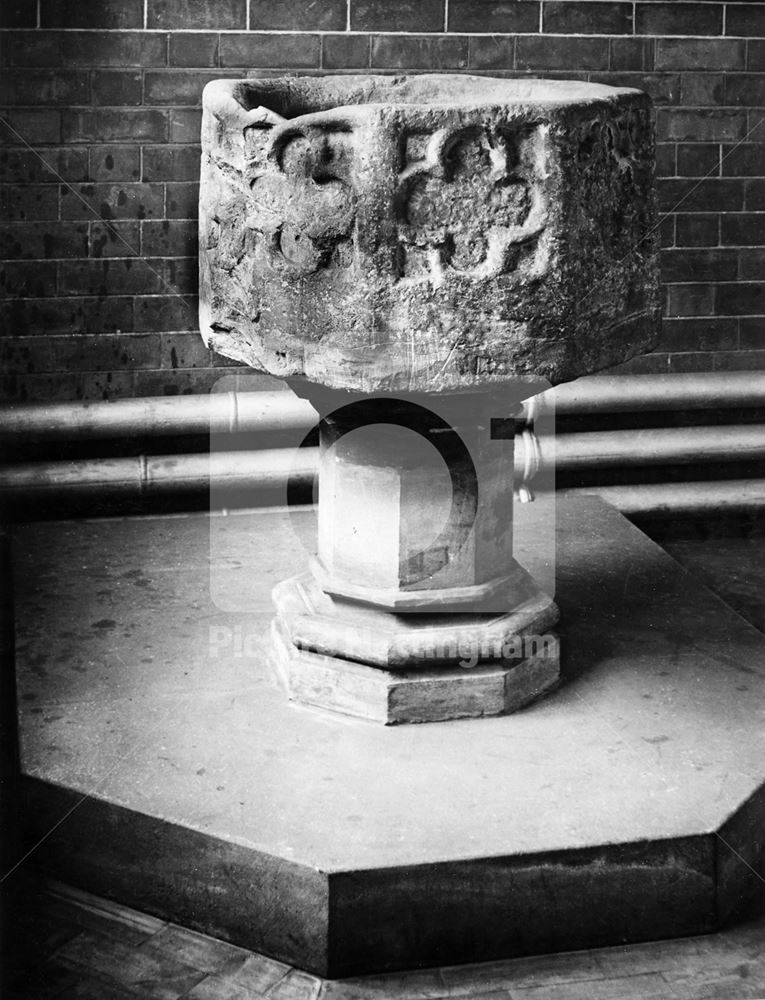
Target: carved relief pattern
(303,203)
(612,171)
(464,205)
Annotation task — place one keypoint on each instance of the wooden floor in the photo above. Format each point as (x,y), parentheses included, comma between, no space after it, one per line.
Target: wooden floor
(72,945)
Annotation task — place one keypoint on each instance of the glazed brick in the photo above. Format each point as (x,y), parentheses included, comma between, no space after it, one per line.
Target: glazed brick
(555,52)
(101,14)
(193,49)
(179,14)
(744,160)
(114,239)
(26,354)
(165,312)
(105,385)
(184,350)
(18,14)
(492,52)
(108,277)
(667,230)
(33,48)
(745,19)
(43,240)
(34,125)
(755,54)
(79,315)
(413,52)
(756,125)
(664,88)
(112,87)
(754,195)
(632,54)
(703,89)
(700,53)
(700,125)
(104,124)
(751,333)
(181,275)
(741,298)
(176,383)
(35,317)
(279,51)
(115,163)
(751,264)
(27,167)
(718,264)
(169,238)
(698,159)
(713,334)
(743,229)
(106,353)
(665,160)
(678,18)
(691,361)
(691,300)
(113,201)
(739,361)
(124,48)
(29,202)
(345,51)
(571,17)
(177,86)
(19,387)
(721,194)
(185,124)
(286,15)
(171,163)
(745,88)
(182,200)
(644,364)
(489,16)
(397,15)
(27,279)
(36,86)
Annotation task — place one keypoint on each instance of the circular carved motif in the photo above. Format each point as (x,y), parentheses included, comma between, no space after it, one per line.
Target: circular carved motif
(467,200)
(306,207)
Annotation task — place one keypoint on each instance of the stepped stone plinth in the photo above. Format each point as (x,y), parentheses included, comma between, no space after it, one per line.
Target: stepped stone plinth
(416,256)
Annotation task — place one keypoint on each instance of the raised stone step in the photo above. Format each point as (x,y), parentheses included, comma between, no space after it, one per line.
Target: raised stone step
(166,771)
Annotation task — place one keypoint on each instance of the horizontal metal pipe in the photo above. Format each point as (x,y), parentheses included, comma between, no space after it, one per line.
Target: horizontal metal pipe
(639,393)
(155,474)
(676,499)
(134,478)
(154,416)
(264,412)
(271,467)
(655,446)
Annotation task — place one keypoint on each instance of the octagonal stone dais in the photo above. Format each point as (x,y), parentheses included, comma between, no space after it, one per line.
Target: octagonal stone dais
(630,807)
(431,234)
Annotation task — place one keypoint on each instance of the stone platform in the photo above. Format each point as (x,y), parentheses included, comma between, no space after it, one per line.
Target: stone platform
(628,805)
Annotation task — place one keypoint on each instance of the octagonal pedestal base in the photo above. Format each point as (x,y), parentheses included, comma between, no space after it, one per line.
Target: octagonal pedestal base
(164,769)
(343,657)
(395,697)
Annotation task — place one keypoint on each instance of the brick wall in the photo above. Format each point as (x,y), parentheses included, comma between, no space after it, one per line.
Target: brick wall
(100,165)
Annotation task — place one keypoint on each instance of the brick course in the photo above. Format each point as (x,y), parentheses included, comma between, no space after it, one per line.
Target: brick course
(99,168)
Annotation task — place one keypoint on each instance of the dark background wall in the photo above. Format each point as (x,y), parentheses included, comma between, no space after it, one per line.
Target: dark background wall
(98,174)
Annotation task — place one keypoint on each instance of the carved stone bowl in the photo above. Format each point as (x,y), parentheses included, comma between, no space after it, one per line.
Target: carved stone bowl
(427,234)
